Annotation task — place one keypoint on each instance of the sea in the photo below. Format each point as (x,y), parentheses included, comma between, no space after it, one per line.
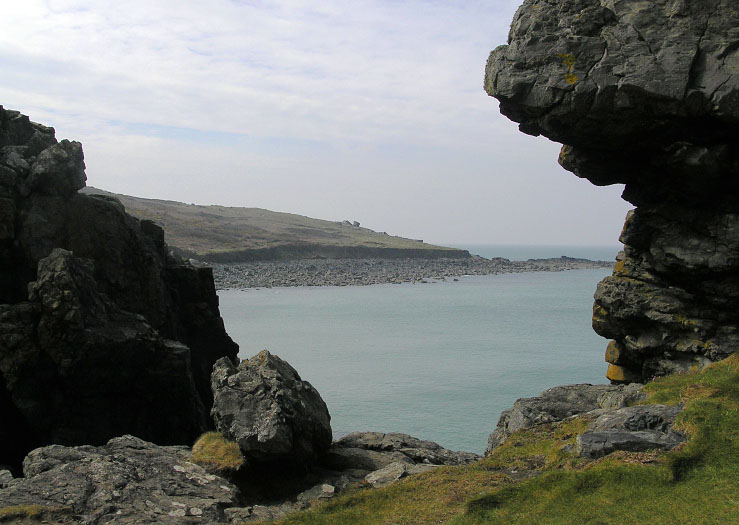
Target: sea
(439,361)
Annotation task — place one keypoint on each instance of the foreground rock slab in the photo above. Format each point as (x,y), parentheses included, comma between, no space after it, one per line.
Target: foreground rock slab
(416,450)
(559,403)
(375,459)
(614,425)
(265,407)
(633,429)
(126,481)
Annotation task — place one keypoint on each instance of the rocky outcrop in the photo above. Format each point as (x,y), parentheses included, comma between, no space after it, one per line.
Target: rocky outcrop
(634,429)
(391,456)
(394,444)
(126,481)
(102,331)
(265,407)
(645,94)
(362,458)
(559,403)
(614,424)
(5,478)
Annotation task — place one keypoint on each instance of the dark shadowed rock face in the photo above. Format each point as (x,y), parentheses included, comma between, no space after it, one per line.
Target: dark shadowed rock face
(266,408)
(645,94)
(101,331)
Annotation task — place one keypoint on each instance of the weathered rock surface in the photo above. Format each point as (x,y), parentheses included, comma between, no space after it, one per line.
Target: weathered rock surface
(614,426)
(645,94)
(5,478)
(634,429)
(126,481)
(414,449)
(374,458)
(115,336)
(559,403)
(266,408)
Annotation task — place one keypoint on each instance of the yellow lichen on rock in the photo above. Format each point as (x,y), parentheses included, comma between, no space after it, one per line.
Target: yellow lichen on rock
(568,59)
(621,374)
(613,353)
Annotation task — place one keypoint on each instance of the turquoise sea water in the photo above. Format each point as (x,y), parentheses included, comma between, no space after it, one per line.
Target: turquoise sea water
(439,361)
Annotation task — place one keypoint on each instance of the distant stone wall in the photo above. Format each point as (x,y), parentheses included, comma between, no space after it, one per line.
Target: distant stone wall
(645,94)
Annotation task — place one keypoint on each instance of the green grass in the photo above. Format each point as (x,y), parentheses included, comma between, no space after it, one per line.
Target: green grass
(696,483)
(215,452)
(30,514)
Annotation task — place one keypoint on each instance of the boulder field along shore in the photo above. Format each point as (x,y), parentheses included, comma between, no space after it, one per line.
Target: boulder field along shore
(361,272)
(644,94)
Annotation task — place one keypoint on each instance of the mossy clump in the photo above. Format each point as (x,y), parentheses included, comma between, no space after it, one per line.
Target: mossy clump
(15,513)
(214,452)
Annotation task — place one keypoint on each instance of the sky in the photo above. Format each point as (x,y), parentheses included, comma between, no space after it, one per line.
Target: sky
(369,110)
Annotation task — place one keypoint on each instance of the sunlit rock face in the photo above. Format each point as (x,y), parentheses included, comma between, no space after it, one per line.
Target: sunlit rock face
(646,94)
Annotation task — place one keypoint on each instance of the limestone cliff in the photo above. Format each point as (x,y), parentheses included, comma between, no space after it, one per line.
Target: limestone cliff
(102,332)
(645,94)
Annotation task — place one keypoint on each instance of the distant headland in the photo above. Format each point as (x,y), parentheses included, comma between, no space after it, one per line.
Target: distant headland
(221,234)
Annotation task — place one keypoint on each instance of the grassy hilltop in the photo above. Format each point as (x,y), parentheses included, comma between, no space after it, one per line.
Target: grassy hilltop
(535,477)
(228,234)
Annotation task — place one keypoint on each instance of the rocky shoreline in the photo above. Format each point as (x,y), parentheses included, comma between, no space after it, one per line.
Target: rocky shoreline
(361,272)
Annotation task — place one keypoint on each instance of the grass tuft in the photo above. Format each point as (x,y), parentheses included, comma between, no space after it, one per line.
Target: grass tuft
(213,451)
(16,513)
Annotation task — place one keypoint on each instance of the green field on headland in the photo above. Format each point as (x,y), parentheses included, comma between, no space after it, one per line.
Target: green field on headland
(231,234)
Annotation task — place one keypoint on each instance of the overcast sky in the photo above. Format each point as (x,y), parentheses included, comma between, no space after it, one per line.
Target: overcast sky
(364,110)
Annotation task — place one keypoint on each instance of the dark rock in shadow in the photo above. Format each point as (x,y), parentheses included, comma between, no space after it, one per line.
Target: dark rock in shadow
(102,331)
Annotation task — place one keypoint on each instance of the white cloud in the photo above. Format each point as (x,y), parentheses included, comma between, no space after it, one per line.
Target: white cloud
(286,104)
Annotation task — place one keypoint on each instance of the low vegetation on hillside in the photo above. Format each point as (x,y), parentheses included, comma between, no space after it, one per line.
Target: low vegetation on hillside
(536,477)
(207,230)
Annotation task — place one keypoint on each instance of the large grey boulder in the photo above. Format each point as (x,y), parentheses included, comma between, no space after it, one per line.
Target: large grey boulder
(645,94)
(559,403)
(126,481)
(266,408)
(634,429)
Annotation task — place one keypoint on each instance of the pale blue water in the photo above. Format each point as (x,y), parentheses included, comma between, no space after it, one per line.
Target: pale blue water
(438,361)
